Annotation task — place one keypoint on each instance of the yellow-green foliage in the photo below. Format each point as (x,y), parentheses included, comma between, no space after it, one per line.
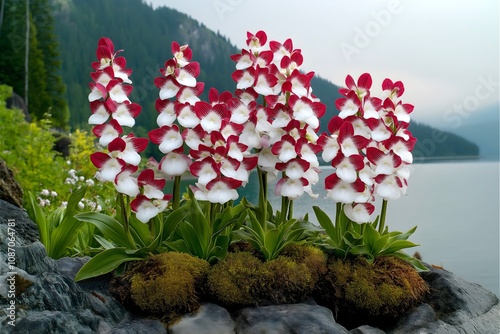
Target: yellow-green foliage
(243,279)
(168,283)
(374,293)
(27,148)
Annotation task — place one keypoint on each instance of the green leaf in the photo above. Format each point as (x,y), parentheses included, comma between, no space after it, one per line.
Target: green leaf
(172,220)
(36,214)
(193,242)
(104,242)
(411,260)
(109,227)
(397,245)
(326,223)
(65,234)
(105,262)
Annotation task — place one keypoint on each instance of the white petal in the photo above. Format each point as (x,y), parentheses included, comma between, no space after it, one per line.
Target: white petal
(348,148)
(168,90)
(186,79)
(187,118)
(346,173)
(342,193)
(100,117)
(146,211)
(174,164)
(110,169)
(357,214)
(130,156)
(388,189)
(292,189)
(166,117)
(127,185)
(152,192)
(171,140)
(211,122)
(220,193)
(302,110)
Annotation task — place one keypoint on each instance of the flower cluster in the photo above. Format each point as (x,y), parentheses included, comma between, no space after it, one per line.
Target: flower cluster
(369,145)
(111,111)
(216,156)
(282,130)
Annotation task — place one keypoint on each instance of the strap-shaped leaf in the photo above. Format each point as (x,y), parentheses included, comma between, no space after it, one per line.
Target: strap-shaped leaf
(397,245)
(327,224)
(109,227)
(36,214)
(105,262)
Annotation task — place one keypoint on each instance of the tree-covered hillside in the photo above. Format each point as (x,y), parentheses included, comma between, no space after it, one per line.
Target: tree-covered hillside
(145,34)
(45,90)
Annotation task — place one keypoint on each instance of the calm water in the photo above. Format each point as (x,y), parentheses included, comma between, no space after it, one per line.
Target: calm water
(456,208)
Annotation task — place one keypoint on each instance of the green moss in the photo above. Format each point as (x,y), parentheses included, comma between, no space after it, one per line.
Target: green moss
(284,281)
(373,294)
(243,279)
(167,284)
(312,257)
(232,282)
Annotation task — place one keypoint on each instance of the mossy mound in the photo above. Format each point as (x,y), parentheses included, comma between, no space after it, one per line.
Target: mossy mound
(167,284)
(243,279)
(232,282)
(360,293)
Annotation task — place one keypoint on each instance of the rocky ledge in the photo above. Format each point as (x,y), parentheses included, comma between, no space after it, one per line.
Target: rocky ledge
(49,301)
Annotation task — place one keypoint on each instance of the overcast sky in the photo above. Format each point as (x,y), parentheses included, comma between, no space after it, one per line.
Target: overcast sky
(446,52)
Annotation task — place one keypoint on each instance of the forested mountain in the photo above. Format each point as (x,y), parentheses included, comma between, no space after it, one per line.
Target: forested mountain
(45,88)
(145,34)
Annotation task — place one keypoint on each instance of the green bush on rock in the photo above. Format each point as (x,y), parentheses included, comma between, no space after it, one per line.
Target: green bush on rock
(166,284)
(361,293)
(243,279)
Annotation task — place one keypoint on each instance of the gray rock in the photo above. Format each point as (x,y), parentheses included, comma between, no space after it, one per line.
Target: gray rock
(288,319)
(210,318)
(455,306)
(365,329)
(53,303)
(10,191)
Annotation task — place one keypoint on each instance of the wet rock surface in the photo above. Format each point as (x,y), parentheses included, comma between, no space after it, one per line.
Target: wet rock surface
(49,301)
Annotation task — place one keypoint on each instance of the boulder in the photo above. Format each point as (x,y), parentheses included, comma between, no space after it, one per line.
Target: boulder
(288,319)
(10,190)
(49,301)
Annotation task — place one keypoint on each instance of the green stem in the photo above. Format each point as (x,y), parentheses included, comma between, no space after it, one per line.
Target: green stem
(338,210)
(381,223)
(290,209)
(263,197)
(125,217)
(284,209)
(176,196)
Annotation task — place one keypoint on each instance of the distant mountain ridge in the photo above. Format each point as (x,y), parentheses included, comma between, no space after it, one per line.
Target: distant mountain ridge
(145,35)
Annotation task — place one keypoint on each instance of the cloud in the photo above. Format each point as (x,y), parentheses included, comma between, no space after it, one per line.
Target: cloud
(438,49)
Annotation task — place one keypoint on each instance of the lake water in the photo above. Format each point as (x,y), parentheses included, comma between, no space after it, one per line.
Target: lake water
(456,208)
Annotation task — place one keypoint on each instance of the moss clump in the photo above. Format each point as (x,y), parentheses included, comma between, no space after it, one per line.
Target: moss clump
(360,293)
(312,257)
(232,282)
(243,279)
(284,281)
(167,284)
